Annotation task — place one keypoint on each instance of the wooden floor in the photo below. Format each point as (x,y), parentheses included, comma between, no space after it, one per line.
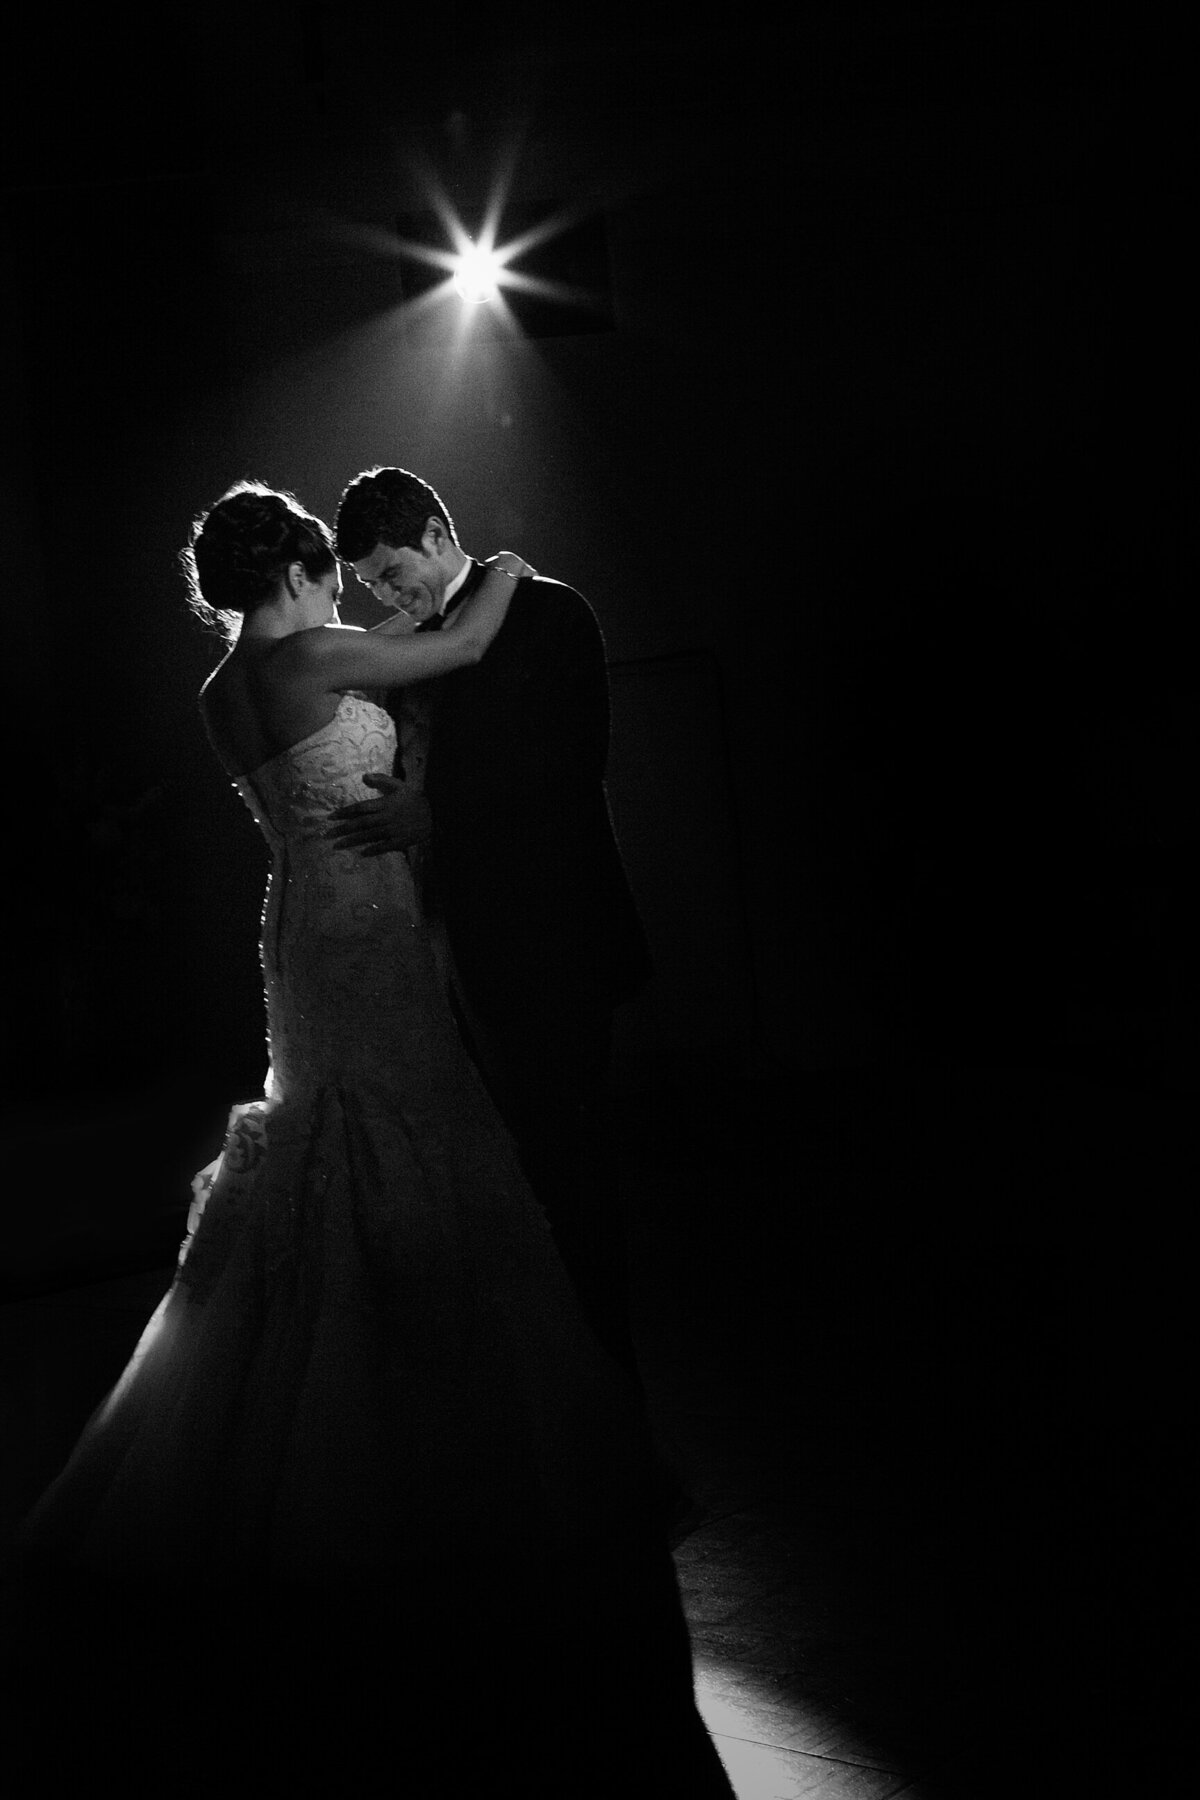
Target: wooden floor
(916,1347)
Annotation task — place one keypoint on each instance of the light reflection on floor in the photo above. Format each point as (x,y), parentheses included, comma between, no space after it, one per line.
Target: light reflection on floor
(758,1735)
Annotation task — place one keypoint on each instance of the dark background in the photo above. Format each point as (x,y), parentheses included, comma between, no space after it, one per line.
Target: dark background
(874,471)
(879,453)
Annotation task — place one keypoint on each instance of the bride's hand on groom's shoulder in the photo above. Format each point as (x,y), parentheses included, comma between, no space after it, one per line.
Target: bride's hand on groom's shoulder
(509,563)
(397,820)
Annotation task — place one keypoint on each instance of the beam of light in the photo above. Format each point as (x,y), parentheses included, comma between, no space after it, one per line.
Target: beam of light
(437,317)
(476,272)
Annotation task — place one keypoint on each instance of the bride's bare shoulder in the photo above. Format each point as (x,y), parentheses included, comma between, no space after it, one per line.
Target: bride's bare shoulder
(320,641)
(244,668)
(261,683)
(235,685)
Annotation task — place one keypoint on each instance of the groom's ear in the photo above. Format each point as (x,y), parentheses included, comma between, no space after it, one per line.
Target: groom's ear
(434,538)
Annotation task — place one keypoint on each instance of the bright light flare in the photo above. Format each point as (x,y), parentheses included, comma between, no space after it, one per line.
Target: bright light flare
(479,271)
(477,274)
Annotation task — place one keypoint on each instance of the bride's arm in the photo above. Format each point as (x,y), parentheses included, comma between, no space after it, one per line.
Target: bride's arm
(341,657)
(396,622)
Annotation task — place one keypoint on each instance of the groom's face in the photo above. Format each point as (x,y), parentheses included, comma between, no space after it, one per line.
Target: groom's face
(411,580)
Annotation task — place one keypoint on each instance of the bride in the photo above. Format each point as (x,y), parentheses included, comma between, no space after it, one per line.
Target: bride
(368,1483)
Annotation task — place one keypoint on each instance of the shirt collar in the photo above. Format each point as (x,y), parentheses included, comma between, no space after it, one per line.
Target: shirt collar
(452,587)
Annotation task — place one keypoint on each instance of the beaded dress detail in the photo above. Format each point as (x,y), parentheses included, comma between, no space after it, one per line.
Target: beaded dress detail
(370,1348)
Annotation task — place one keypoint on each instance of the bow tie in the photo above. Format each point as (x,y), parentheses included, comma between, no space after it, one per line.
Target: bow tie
(435,621)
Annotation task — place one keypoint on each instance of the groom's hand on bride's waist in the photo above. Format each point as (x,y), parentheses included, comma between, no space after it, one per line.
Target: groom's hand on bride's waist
(397,820)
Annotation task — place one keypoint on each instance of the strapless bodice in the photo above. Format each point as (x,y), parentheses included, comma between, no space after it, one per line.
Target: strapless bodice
(292,794)
(339,928)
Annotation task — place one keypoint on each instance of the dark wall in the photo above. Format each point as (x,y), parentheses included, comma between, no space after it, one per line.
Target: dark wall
(872,444)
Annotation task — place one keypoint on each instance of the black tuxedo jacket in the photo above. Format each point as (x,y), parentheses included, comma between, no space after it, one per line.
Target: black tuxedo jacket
(525,868)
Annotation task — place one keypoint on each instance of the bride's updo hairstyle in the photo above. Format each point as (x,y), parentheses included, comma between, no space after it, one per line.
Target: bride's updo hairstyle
(240,548)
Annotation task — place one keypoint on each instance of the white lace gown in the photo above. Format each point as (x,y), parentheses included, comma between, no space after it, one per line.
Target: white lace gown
(369,1511)
(370,1349)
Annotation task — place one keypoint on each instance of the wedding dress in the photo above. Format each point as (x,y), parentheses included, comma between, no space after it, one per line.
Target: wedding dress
(369,1345)
(370,1371)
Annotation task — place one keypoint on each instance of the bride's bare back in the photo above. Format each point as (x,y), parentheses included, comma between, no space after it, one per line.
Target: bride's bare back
(263,699)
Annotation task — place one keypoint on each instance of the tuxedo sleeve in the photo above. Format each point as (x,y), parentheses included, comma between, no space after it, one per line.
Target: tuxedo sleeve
(575,700)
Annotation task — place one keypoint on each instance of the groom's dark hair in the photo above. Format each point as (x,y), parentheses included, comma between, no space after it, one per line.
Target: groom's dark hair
(386,506)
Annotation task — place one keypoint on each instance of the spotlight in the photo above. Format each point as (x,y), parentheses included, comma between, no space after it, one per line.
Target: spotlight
(548,276)
(477,275)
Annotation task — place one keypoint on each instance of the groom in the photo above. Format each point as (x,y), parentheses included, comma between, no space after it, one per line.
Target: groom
(500,777)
